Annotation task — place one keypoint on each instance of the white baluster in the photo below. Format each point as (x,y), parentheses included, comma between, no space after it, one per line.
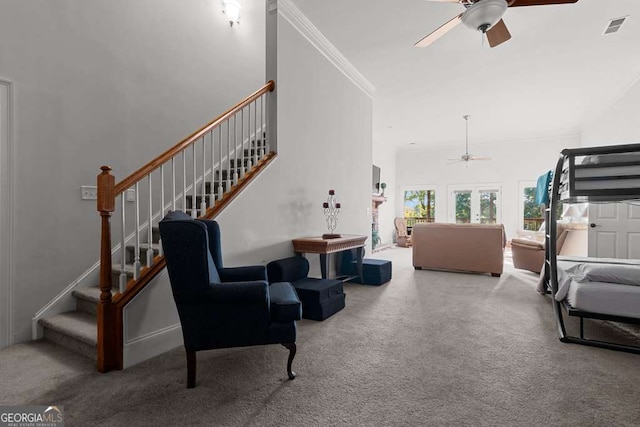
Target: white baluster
(150,227)
(220,191)
(228,154)
(242,142)
(136,262)
(262,134)
(184,180)
(122,285)
(173,183)
(255,133)
(160,251)
(251,163)
(212,188)
(235,150)
(194,193)
(203,202)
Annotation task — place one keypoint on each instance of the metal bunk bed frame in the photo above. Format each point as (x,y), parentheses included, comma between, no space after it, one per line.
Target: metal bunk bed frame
(560,192)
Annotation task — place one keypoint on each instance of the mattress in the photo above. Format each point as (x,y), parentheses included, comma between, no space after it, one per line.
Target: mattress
(605,298)
(598,296)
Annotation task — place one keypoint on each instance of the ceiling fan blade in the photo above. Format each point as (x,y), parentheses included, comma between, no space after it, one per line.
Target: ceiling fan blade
(498,34)
(441,31)
(517,3)
(447,1)
(479,158)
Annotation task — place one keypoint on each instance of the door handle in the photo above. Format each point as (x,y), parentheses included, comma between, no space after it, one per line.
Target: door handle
(593,225)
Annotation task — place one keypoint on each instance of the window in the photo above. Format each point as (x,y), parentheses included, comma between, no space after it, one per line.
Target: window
(419,206)
(532,217)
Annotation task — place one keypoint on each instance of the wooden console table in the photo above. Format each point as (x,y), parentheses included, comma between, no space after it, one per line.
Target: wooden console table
(324,247)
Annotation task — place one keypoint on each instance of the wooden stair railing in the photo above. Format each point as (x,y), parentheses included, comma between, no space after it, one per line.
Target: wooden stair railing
(234,161)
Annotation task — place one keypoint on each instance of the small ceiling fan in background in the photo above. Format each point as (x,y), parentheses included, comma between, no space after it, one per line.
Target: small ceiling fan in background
(484,16)
(466,157)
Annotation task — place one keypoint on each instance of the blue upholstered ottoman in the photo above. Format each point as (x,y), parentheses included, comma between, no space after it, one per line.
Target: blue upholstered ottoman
(375,271)
(321,298)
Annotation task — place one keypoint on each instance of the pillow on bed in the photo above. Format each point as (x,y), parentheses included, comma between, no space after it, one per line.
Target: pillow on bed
(609,273)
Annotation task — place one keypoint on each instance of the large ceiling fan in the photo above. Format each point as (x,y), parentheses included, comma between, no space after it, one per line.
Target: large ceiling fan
(484,16)
(466,157)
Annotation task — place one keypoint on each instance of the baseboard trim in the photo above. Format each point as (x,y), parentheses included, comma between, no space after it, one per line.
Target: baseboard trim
(151,345)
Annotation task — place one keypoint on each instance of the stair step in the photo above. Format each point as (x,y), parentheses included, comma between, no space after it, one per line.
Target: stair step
(189,199)
(87,299)
(259,143)
(144,248)
(250,152)
(207,188)
(73,330)
(240,162)
(227,173)
(115,277)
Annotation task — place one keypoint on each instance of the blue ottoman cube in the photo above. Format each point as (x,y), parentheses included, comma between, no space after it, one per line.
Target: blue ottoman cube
(320,298)
(375,271)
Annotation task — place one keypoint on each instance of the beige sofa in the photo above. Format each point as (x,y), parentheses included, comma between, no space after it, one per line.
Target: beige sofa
(462,247)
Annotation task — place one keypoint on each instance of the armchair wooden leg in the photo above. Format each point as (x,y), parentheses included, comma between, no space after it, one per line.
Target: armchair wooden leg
(191,369)
(292,354)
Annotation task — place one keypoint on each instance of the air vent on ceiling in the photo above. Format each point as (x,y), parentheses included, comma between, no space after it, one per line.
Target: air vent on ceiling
(615,25)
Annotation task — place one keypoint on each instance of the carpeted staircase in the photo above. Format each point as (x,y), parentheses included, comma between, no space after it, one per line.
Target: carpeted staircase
(77,330)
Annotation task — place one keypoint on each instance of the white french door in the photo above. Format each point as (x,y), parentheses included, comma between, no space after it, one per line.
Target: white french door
(473,203)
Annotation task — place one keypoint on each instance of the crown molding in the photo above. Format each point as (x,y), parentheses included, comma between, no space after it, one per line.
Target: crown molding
(304,26)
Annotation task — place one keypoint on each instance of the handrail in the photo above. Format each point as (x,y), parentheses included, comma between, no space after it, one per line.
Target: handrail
(232,167)
(167,155)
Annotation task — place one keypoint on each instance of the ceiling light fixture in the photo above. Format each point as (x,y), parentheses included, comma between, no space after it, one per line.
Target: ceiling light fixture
(484,14)
(231,8)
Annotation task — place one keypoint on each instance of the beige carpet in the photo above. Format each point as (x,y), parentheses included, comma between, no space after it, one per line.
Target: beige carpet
(429,348)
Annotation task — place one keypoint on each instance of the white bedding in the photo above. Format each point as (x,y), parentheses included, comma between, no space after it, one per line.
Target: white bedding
(586,283)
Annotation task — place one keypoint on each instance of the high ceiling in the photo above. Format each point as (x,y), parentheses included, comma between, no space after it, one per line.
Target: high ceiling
(556,73)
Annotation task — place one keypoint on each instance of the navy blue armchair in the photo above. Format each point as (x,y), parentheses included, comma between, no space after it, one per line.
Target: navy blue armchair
(223,307)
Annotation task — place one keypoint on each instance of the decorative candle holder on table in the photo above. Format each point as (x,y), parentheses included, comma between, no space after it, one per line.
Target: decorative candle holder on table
(331,211)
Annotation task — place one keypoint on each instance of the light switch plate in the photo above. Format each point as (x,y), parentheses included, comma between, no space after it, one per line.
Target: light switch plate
(89,192)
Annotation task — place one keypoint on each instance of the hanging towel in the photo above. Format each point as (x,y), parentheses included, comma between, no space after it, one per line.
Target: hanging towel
(542,189)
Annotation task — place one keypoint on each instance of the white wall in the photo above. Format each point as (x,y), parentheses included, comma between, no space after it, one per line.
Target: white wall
(111,82)
(511,163)
(617,124)
(384,156)
(324,142)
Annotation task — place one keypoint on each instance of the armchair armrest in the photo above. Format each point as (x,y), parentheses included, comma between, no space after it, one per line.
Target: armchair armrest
(288,269)
(243,274)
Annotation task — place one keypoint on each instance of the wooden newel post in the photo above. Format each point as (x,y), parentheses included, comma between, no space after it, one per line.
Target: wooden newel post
(106,319)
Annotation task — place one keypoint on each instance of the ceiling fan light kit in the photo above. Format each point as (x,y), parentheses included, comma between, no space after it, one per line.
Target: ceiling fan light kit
(484,14)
